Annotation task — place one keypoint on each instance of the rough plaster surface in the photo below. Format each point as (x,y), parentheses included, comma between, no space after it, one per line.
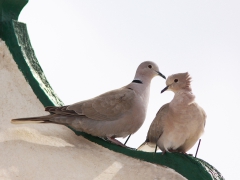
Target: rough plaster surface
(39,152)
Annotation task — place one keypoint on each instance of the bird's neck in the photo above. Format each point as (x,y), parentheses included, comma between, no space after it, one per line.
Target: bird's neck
(182,99)
(142,87)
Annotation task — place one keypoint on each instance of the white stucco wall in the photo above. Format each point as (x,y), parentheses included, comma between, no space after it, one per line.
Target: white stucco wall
(45,151)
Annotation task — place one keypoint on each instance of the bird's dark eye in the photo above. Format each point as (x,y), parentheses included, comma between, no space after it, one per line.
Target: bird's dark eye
(150,66)
(175,80)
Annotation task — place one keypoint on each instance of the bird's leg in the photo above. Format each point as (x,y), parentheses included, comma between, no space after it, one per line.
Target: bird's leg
(115,141)
(127,139)
(198,147)
(156,144)
(156,148)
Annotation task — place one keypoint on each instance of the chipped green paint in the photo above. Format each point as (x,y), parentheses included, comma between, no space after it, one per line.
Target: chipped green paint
(15,35)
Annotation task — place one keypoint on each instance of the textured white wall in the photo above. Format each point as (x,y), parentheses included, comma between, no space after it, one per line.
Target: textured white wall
(37,151)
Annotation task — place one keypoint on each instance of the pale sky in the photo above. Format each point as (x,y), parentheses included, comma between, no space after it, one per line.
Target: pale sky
(89,47)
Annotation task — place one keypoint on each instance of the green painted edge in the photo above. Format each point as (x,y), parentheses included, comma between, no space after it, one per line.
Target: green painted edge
(190,167)
(16,37)
(10,9)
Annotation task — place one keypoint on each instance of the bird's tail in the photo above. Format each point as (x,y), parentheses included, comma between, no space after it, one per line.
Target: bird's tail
(39,119)
(147,147)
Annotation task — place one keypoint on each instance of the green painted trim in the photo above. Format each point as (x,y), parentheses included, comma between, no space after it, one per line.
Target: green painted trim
(16,37)
(188,166)
(10,9)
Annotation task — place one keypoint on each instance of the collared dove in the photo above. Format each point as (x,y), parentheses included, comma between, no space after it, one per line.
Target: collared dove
(178,124)
(116,113)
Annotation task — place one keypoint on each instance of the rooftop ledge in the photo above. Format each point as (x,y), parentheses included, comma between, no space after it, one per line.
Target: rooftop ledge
(16,37)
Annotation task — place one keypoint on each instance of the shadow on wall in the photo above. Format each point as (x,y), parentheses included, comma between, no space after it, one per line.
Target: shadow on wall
(25,154)
(32,136)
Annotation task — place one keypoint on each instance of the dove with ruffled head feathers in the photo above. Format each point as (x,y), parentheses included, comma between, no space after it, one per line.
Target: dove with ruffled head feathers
(114,114)
(178,124)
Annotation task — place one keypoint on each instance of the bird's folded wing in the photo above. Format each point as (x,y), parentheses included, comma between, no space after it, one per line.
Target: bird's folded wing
(60,110)
(108,106)
(156,128)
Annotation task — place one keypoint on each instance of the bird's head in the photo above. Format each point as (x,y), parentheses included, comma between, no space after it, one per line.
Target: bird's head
(148,69)
(178,82)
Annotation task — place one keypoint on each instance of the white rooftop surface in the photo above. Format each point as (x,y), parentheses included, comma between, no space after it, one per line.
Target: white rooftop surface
(45,151)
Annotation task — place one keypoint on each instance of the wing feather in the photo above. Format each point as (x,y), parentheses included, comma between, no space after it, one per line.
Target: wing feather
(60,110)
(156,128)
(108,106)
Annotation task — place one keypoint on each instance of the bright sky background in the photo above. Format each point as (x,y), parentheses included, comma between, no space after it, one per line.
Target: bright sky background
(89,47)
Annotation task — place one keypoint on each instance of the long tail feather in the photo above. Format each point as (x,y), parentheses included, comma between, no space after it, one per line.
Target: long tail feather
(40,119)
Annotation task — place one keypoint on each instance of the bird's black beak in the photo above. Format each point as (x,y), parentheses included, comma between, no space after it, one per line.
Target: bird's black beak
(164,89)
(160,74)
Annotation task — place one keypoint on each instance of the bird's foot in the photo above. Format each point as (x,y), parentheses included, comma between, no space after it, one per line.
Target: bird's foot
(115,141)
(175,150)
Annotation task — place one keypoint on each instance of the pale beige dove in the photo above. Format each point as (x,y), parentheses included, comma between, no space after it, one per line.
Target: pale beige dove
(116,113)
(179,124)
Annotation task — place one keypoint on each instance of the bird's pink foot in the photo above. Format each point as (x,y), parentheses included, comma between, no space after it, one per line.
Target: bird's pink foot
(115,141)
